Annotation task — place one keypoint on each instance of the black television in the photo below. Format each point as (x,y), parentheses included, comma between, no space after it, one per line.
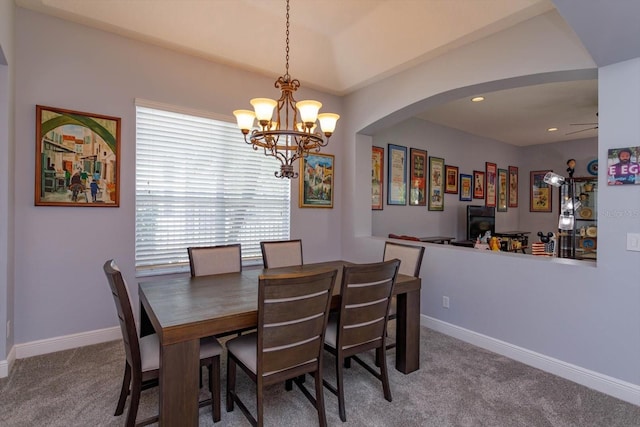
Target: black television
(480,219)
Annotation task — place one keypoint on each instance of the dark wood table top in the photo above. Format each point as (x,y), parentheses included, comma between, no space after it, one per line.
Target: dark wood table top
(186,308)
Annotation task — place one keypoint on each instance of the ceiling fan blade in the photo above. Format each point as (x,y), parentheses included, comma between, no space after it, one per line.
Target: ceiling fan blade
(582,124)
(581,130)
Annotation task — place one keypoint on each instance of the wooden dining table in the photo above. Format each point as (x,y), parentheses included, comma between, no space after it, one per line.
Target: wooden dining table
(184,309)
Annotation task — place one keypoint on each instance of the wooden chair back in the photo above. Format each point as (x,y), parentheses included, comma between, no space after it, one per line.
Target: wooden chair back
(365,294)
(409,255)
(292,316)
(125,314)
(221,259)
(283,253)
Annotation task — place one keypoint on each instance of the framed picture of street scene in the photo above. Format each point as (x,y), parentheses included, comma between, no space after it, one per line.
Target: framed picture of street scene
(316,181)
(77,158)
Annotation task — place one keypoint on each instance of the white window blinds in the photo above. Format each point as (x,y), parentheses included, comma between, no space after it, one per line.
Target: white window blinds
(199,184)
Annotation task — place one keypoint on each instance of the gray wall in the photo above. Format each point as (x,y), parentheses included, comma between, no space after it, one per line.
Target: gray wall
(582,314)
(62,289)
(7,73)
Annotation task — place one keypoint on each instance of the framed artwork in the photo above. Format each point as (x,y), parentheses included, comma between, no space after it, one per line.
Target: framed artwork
(491,184)
(397,175)
(466,185)
(623,166)
(539,192)
(451,180)
(513,187)
(77,158)
(418,178)
(377,178)
(316,183)
(503,190)
(478,185)
(436,184)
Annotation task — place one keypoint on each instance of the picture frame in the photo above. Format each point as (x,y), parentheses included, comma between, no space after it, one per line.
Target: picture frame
(623,166)
(466,188)
(77,158)
(436,184)
(418,178)
(377,178)
(503,190)
(513,187)
(451,179)
(316,181)
(540,193)
(396,175)
(491,171)
(478,184)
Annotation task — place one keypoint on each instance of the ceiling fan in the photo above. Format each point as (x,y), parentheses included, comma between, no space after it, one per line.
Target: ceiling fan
(593,126)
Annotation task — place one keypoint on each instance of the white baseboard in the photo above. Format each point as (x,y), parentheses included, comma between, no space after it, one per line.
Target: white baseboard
(50,345)
(5,365)
(603,383)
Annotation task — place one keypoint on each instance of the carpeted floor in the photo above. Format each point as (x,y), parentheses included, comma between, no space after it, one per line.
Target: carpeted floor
(458,385)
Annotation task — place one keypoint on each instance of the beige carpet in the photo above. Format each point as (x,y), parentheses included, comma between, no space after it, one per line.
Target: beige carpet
(457,385)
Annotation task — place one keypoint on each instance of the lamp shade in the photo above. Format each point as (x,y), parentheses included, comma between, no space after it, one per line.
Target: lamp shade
(263,108)
(553,179)
(245,119)
(328,122)
(308,110)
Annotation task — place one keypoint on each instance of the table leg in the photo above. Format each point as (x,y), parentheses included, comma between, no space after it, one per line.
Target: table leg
(408,332)
(179,364)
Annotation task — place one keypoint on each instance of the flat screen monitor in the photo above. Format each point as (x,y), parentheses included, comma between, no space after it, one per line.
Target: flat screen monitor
(480,219)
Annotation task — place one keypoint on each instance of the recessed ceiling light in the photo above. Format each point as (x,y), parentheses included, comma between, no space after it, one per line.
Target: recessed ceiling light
(477,99)
(552,129)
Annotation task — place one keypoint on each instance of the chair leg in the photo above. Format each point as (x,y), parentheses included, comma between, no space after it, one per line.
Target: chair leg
(124,391)
(259,405)
(136,388)
(214,387)
(340,389)
(231,382)
(322,416)
(288,385)
(381,354)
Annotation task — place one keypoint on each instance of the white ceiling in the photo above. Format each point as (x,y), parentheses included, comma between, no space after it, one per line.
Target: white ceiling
(339,46)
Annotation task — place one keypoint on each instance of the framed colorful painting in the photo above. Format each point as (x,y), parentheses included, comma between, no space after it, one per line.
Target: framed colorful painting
(513,187)
(491,171)
(503,190)
(418,178)
(466,186)
(316,181)
(436,184)
(623,166)
(397,175)
(540,196)
(451,180)
(478,185)
(377,178)
(77,158)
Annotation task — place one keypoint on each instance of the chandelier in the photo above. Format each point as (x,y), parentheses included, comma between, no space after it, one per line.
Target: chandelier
(289,136)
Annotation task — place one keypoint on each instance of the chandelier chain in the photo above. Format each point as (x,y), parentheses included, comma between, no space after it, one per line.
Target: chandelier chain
(286,74)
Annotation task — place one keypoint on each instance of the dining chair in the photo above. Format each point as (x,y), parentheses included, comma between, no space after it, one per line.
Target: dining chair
(292,318)
(221,259)
(281,253)
(142,364)
(361,324)
(410,257)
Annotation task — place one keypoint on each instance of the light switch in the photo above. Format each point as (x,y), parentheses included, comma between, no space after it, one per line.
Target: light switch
(633,242)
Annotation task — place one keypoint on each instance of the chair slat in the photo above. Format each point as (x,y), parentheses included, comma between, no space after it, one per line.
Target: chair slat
(274,361)
(282,335)
(362,334)
(364,314)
